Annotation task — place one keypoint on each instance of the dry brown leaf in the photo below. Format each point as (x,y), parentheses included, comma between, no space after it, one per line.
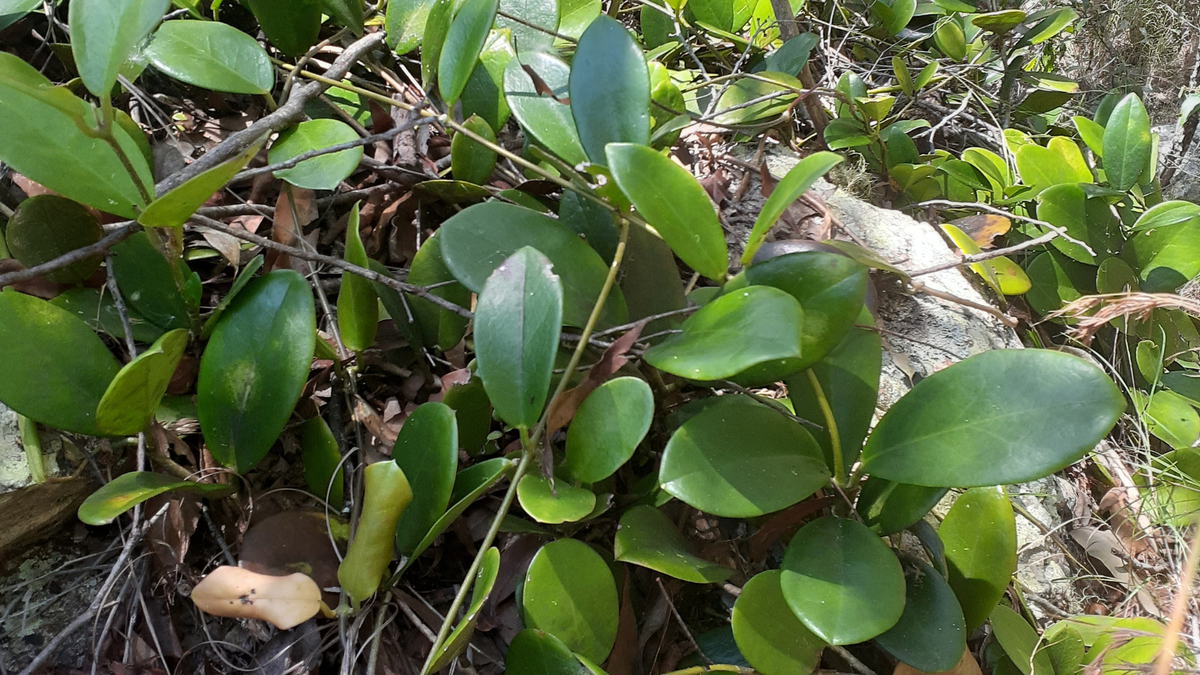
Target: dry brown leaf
(563,407)
(294,209)
(965,666)
(229,246)
(983,228)
(233,592)
(291,542)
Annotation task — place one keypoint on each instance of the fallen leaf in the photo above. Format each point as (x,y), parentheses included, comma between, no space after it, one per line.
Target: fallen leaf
(965,666)
(295,208)
(293,542)
(233,592)
(983,228)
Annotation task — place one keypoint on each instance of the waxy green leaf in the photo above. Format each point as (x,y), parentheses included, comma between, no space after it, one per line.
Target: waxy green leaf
(610,89)
(671,199)
(357,304)
(440,327)
(794,184)
(456,643)
(321,458)
(128,490)
(565,503)
(980,535)
(768,633)
(132,397)
(608,427)
(104,33)
(323,172)
(405,23)
(546,116)
(48,226)
(647,538)
(956,427)
(740,459)
(427,450)
(931,633)
(175,207)
(254,368)
(148,283)
(1059,162)
(1127,143)
(211,55)
(517,325)
(291,25)
(1020,641)
(887,507)
(570,593)
(540,13)
(465,39)
(842,581)
(535,651)
(471,161)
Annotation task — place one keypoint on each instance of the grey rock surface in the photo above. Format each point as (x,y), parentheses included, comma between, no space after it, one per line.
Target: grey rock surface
(922,335)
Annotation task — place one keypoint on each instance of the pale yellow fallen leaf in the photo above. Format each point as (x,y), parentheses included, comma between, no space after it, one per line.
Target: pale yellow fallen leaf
(234,592)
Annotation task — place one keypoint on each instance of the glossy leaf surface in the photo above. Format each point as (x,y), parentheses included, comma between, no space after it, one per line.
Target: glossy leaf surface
(768,633)
(291,25)
(538,652)
(795,183)
(545,115)
(132,397)
(104,33)
(456,642)
(1127,144)
(323,172)
(357,304)
(427,451)
(931,633)
(570,593)
(128,490)
(321,458)
(465,39)
(565,503)
(608,427)
(211,55)
(1020,641)
(980,535)
(647,538)
(175,207)
(470,161)
(610,89)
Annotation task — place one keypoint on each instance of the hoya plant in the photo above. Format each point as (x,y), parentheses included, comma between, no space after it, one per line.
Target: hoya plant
(585,346)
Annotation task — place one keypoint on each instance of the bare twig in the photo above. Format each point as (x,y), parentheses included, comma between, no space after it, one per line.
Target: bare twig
(348,145)
(682,626)
(1007,320)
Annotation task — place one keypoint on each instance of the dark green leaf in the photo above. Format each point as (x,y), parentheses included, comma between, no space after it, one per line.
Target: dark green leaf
(610,89)
(647,538)
(322,459)
(957,427)
(842,581)
(476,240)
(1184,384)
(405,23)
(255,367)
(517,324)
(48,226)
(650,280)
(608,427)
(1165,214)
(349,13)
(1126,144)
(291,25)
(595,224)
(541,13)
(739,459)
(674,203)
(473,412)
(99,312)
(440,327)
(755,326)
(546,116)
(1088,220)
(133,395)
(887,507)
(323,172)
(464,41)
(1166,257)
(1056,280)
(484,93)
(43,141)
(980,534)
(539,653)
(212,55)
(437,25)
(570,593)
(931,634)
(791,56)
(357,304)
(104,34)
(128,490)
(427,451)
(469,160)
(244,276)
(794,184)
(469,485)
(564,503)
(148,284)
(56,369)
(1020,641)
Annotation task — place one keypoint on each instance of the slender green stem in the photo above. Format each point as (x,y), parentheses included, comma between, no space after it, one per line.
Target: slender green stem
(714,668)
(835,442)
(32,443)
(104,123)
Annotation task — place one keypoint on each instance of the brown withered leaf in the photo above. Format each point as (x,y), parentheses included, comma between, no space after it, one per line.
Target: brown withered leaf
(624,657)
(983,228)
(540,86)
(781,523)
(965,666)
(290,542)
(294,209)
(168,537)
(563,407)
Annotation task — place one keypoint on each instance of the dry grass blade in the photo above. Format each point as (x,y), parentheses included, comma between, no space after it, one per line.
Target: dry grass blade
(1094,311)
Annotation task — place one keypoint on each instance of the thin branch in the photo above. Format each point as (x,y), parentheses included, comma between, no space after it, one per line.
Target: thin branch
(348,145)
(121,233)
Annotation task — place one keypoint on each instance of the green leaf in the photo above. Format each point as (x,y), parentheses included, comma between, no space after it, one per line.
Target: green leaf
(1059,162)
(469,160)
(849,380)
(437,25)
(484,93)
(464,41)
(322,461)
(405,23)
(674,203)
(570,593)
(1057,280)
(739,459)
(980,534)
(1089,220)
(291,25)
(349,13)
(830,288)
(1091,134)
(517,324)
(792,55)
(925,76)
(440,327)
(1050,22)
(357,303)
(608,427)
(211,55)
(903,78)
(1165,214)
(1126,143)
(1166,257)
(544,117)
(768,633)
(1170,417)
(469,485)
(132,397)
(175,207)
(794,184)
(1065,648)
(244,276)
(542,13)
(1020,641)
(473,412)
(845,132)
(255,367)
(56,369)
(957,427)
(842,581)
(148,283)
(128,490)
(104,34)
(456,643)
(564,503)
(951,41)
(898,15)
(427,450)
(324,172)
(755,326)
(1184,384)
(44,140)
(1175,491)
(540,653)
(649,280)
(998,22)
(576,15)
(750,100)
(610,89)
(931,634)
(100,313)
(48,226)
(1115,276)
(888,507)
(647,538)
(476,240)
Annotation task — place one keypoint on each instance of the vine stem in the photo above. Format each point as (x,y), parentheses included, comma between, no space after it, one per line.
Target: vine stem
(529,444)
(835,443)
(714,668)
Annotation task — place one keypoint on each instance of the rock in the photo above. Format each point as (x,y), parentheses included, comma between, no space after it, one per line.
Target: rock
(922,335)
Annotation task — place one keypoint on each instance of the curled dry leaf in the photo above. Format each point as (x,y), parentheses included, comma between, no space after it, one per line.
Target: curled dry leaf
(237,593)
